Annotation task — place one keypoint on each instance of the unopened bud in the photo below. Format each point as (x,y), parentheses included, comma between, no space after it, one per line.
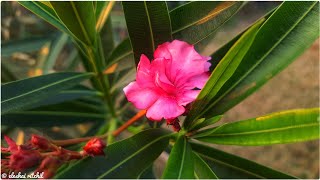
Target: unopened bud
(40,142)
(95,147)
(175,124)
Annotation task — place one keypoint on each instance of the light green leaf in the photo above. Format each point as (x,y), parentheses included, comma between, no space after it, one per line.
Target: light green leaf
(222,73)
(148,26)
(180,163)
(20,94)
(201,123)
(124,159)
(273,49)
(229,166)
(276,128)
(202,169)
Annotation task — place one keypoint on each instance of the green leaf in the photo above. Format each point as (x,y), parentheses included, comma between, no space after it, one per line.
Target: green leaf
(20,94)
(180,163)
(102,12)
(276,128)
(79,18)
(225,69)
(67,95)
(201,123)
(7,74)
(23,45)
(45,13)
(229,166)
(124,159)
(148,173)
(148,26)
(201,169)
(55,50)
(48,118)
(273,49)
(121,52)
(184,20)
(195,21)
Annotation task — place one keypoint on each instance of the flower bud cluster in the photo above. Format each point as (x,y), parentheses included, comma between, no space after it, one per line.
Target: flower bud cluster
(42,153)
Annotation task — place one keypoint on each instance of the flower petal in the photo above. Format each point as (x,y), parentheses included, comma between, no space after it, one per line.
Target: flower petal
(145,77)
(197,81)
(185,61)
(165,107)
(142,98)
(187,97)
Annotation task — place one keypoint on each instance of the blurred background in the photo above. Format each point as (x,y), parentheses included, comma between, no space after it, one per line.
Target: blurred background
(26,41)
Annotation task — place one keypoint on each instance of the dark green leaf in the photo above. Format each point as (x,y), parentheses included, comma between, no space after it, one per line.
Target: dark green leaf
(124,159)
(55,50)
(273,49)
(20,94)
(6,73)
(225,69)
(229,166)
(45,13)
(121,52)
(148,173)
(276,128)
(79,18)
(24,45)
(148,25)
(195,21)
(180,163)
(201,169)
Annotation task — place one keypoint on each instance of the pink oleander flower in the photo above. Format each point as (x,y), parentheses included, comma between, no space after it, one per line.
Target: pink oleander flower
(168,83)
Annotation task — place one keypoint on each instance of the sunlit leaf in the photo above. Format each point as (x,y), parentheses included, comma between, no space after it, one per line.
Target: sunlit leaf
(276,128)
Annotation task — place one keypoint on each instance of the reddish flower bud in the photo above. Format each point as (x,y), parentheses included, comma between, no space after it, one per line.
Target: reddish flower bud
(175,124)
(40,142)
(12,145)
(49,166)
(23,159)
(95,147)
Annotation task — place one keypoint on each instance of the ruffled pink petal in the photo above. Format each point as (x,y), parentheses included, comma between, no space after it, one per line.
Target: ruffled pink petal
(185,61)
(165,107)
(142,98)
(158,66)
(145,76)
(197,81)
(187,96)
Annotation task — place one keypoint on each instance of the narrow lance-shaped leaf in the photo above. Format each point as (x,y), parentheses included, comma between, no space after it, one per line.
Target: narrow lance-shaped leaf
(79,18)
(148,25)
(273,49)
(190,22)
(45,12)
(202,169)
(229,166)
(196,21)
(21,94)
(225,69)
(276,128)
(124,159)
(180,163)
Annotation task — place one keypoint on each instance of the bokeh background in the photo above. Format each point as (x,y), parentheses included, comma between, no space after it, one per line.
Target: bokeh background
(295,87)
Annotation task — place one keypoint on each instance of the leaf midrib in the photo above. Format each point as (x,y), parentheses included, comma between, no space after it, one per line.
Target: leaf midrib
(85,33)
(264,131)
(149,24)
(183,157)
(131,156)
(44,87)
(261,59)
